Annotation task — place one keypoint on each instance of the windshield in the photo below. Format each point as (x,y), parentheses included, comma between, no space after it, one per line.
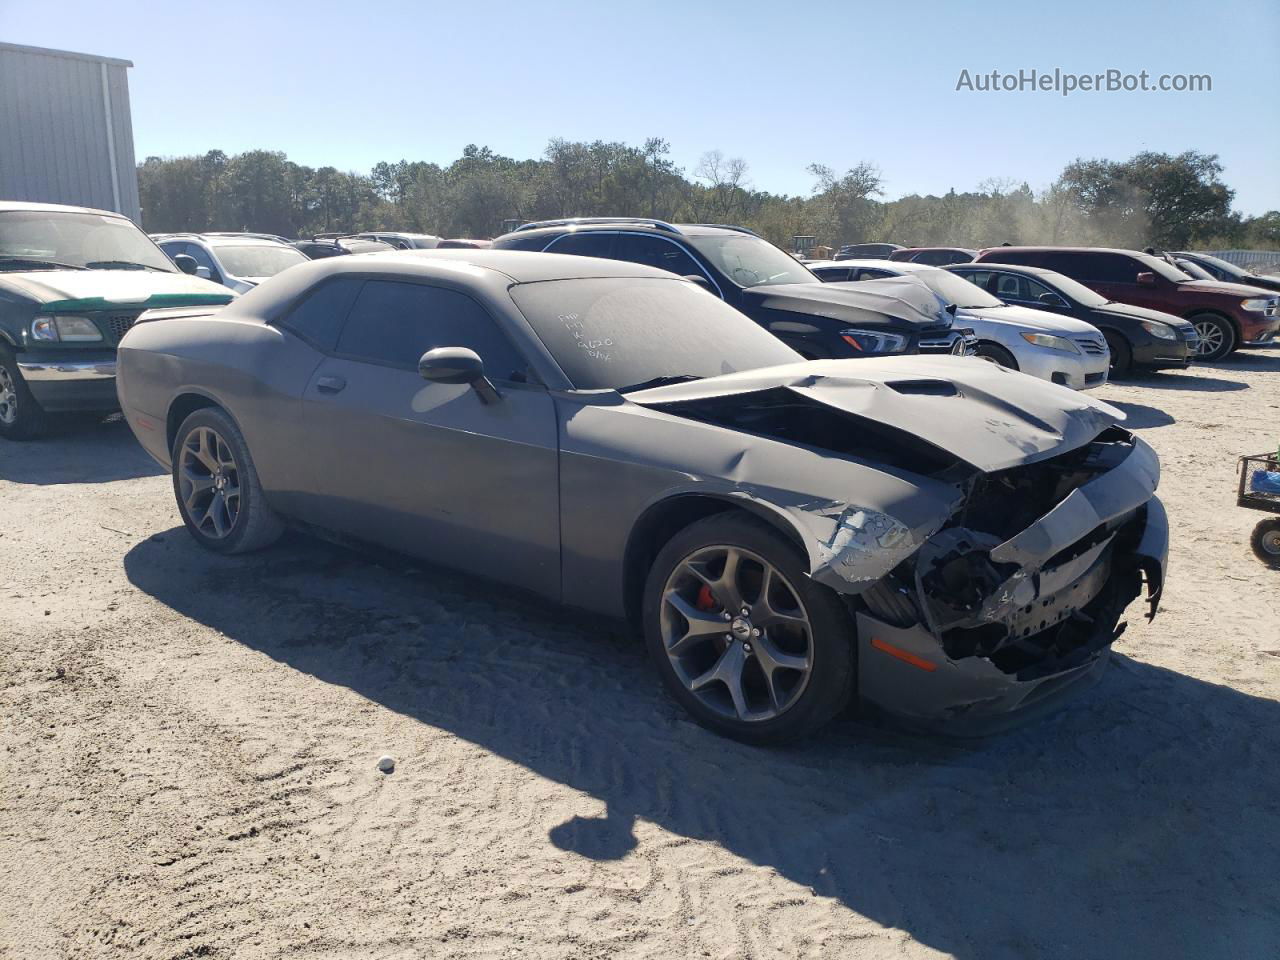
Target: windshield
(32,238)
(1074,290)
(620,332)
(955,289)
(1227,267)
(258,261)
(750,261)
(1164,268)
(1193,269)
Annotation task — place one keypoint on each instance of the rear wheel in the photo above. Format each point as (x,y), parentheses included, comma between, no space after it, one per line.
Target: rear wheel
(217,487)
(21,416)
(1266,542)
(743,638)
(996,354)
(1217,336)
(1121,354)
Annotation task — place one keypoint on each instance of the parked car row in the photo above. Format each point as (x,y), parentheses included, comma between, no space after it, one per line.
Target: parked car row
(1228,306)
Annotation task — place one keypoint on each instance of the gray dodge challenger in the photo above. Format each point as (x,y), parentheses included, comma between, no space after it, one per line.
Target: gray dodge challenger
(940,538)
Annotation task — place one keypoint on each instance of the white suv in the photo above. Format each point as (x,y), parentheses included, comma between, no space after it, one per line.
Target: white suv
(233,260)
(1064,350)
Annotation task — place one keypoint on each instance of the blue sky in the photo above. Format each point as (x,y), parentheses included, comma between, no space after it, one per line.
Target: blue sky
(782,84)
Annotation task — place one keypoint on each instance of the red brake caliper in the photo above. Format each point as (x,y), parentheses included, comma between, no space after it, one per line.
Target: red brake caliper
(705,600)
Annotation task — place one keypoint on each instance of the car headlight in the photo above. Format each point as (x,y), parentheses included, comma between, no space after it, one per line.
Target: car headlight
(1158,329)
(1051,342)
(873,341)
(65,329)
(1256,304)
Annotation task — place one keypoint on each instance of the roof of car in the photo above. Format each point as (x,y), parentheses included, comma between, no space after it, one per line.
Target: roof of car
(643,224)
(906,266)
(997,265)
(6,205)
(220,240)
(1063,249)
(522,266)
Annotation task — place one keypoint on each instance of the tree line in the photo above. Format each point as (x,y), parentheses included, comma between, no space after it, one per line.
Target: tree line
(1157,199)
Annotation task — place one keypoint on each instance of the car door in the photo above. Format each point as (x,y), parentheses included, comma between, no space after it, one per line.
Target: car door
(202,259)
(431,468)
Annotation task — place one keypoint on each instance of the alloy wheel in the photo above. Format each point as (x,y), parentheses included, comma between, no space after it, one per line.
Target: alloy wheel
(8,397)
(737,633)
(209,482)
(1212,338)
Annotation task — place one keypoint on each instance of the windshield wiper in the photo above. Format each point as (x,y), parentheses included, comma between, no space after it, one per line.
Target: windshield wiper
(123,264)
(661,382)
(42,262)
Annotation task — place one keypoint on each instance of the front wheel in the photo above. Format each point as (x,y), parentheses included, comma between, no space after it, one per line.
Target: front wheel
(1266,542)
(1121,354)
(1217,336)
(219,494)
(996,354)
(21,416)
(743,638)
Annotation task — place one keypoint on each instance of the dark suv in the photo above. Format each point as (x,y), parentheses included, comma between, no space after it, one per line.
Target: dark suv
(1220,269)
(751,274)
(1225,315)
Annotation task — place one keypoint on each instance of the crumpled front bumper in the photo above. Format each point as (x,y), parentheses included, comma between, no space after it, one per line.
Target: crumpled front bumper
(907,672)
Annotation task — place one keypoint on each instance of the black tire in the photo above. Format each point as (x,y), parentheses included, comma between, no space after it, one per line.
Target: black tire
(1266,542)
(1121,354)
(21,416)
(1217,336)
(830,680)
(254,524)
(996,354)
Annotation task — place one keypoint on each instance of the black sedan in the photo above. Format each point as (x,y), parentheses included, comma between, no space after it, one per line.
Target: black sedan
(945,538)
(1137,336)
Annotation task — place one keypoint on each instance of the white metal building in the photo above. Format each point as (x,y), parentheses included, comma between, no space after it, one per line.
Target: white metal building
(65,131)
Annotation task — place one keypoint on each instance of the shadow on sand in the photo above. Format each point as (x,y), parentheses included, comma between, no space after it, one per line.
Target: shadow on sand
(78,449)
(1142,821)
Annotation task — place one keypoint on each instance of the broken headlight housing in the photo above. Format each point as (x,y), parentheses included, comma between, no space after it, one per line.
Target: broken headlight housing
(874,341)
(64,329)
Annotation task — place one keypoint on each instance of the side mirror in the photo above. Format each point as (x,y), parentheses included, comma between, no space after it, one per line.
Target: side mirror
(1146,279)
(457,365)
(1052,300)
(203,273)
(186,264)
(700,280)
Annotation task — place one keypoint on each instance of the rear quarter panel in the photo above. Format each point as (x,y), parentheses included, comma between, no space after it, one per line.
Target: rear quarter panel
(255,372)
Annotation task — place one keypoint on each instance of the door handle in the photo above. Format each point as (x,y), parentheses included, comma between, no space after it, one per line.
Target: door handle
(331,384)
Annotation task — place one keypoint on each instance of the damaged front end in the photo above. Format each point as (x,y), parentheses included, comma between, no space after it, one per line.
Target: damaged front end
(1015,602)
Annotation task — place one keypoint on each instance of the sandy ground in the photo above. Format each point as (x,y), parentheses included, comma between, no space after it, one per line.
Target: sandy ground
(189,748)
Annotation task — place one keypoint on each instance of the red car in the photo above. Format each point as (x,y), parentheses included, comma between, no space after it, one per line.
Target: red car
(1225,315)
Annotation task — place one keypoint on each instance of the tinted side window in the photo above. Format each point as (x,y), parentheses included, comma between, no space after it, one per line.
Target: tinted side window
(981,278)
(655,252)
(1011,286)
(318,317)
(173,248)
(588,244)
(832,274)
(869,273)
(1106,268)
(396,323)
